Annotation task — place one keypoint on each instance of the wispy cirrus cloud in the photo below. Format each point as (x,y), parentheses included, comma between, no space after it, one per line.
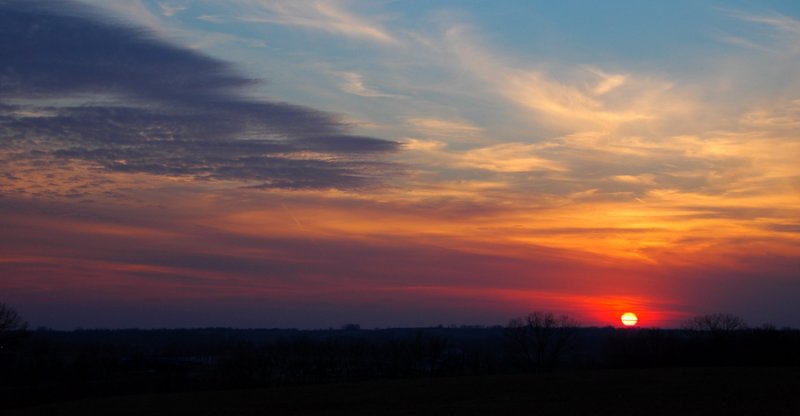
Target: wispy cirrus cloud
(509,158)
(324,16)
(170,9)
(777,21)
(583,99)
(781,40)
(607,82)
(438,127)
(353,83)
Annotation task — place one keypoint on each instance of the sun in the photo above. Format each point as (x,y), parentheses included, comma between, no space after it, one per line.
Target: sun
(629,319)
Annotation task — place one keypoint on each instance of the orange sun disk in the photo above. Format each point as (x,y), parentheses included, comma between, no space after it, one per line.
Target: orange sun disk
(629,319)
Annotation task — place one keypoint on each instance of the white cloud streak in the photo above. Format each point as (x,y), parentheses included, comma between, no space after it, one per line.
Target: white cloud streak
(325,16)
(171,9)
(353,83)
(597,101)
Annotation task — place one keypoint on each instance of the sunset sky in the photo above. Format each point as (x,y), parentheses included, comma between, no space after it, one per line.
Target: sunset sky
(255,163)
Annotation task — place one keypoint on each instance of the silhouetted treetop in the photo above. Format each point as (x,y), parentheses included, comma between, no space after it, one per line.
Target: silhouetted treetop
(539,340)
(715,322)
(11,324)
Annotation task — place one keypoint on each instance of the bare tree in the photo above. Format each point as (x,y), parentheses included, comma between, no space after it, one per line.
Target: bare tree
(11,324)
(540,340)
(715,323)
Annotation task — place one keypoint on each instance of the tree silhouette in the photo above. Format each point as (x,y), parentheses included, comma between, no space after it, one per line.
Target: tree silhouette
(11,324)
(718,338)
(539,341)
(715,323)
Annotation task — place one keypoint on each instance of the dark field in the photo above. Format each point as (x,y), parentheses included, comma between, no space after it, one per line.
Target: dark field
(469,370)
(675,391)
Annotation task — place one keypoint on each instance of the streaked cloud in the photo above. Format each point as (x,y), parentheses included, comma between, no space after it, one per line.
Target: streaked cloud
(508,157)
(607,82)
(781,116)
(780,41)
(353,83)
(324,16)
(171,9)
(591,100)
(779,22)
(436,127)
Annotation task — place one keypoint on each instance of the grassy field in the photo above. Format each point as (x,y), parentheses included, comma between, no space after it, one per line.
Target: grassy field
(692,391)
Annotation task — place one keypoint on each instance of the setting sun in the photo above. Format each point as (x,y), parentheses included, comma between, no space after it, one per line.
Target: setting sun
(629,319)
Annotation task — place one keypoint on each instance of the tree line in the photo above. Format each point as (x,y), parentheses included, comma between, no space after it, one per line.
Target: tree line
(43,365)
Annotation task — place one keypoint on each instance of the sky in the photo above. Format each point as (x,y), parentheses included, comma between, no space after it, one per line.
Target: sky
(256,163)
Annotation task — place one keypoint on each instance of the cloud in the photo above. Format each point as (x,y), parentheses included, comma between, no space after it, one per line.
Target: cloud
(325,16)
(784,228)
(131,10)
(438,127)
(508,157)
(570,99)
(353,83)
(778,22)
(644,179)
(351,252)
(608,82)
(779,115)
(211,18)
(743,42)
(171,9)
(75,87)
(781,40)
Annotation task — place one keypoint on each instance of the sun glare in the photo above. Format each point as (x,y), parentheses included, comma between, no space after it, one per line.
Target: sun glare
(629,319)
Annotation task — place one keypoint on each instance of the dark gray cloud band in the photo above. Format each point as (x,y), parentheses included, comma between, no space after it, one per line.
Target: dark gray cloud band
(159,108)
